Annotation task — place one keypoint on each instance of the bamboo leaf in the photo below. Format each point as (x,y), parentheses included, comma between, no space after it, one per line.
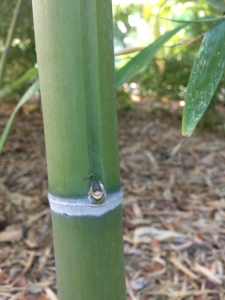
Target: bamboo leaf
(142,58)
(207,19)
(29,93)
(17,83)
(219,4)
(205,76)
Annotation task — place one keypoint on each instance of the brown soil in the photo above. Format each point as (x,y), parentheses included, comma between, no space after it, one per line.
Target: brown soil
(173,210)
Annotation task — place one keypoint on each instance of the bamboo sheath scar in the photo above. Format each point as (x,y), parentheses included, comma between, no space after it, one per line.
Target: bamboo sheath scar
(83,206)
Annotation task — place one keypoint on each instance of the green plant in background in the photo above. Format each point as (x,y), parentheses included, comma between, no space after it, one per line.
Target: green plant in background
(134,25)
(138,62)
(123,100)
(29,93)
(123,75)
(9,40)
(77,86)
(179,53)
(16,42)
(8,89)
(144,70)
(205,76)
(123,31)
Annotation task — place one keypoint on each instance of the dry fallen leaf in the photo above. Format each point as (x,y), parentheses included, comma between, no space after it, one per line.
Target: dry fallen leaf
(12,233)
(174,260)
(181,194)
(207,273)
(146,234)
(51,295)
(138,284)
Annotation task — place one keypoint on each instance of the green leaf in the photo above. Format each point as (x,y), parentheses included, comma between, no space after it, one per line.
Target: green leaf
(219,4)
(205,76)
(17,83)
(207,19)
(139,61)
(29,93)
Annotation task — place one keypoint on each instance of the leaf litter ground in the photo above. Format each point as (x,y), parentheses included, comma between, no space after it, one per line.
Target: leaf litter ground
(173,208)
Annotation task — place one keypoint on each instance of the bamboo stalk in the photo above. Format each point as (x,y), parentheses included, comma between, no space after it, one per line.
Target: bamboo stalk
(74,40)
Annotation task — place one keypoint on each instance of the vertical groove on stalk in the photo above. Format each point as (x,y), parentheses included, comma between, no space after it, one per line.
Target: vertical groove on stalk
(91,84)
(99,83)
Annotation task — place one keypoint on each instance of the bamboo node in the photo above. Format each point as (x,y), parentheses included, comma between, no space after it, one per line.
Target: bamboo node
(83,206)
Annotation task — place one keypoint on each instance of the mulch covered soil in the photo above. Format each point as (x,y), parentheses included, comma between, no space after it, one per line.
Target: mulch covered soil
(173,209)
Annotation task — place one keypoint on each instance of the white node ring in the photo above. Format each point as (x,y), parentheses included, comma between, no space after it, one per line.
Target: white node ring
(83,206)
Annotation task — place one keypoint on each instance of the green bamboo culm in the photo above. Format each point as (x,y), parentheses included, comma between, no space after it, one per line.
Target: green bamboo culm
(74,42)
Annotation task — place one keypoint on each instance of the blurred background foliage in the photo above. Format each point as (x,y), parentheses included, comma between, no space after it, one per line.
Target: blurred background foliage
(165,77)
(136,24)
(21,54)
